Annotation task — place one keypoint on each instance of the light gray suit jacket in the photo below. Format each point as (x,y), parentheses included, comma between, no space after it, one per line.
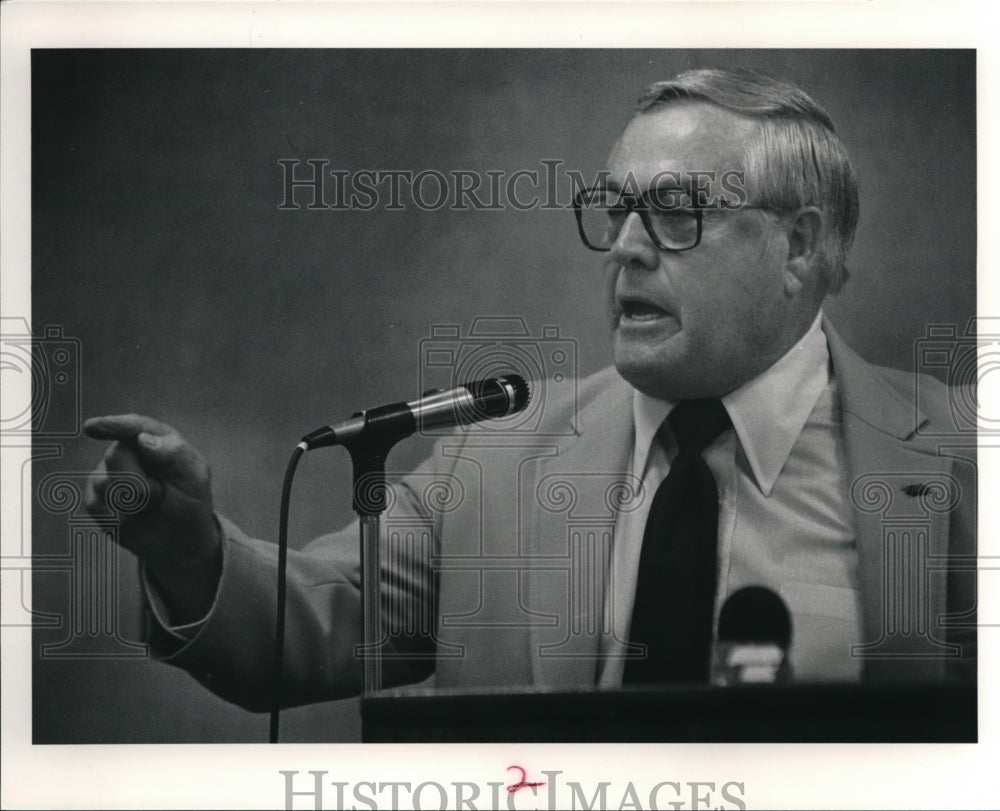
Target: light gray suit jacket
(494,554)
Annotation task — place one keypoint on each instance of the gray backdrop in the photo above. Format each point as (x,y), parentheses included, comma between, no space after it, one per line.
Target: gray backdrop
(159,244)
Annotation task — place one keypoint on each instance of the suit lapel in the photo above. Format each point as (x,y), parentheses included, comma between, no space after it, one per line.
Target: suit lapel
(893,476)
(572,496)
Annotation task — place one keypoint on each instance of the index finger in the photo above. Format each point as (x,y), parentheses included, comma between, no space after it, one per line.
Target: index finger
(124,426)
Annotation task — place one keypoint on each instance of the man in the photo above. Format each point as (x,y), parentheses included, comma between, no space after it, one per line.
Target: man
(726,216)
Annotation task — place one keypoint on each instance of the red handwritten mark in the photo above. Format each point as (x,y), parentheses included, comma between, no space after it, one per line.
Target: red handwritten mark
(521,783)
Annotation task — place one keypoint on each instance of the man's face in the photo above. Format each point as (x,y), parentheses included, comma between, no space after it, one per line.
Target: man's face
(701,322)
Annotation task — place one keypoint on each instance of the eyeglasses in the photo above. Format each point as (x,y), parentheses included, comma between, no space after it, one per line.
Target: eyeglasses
(671,219)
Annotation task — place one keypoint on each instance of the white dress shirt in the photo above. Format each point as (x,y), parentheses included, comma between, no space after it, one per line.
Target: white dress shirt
(784,512)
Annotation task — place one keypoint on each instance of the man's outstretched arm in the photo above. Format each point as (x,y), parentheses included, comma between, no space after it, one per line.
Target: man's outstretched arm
(176,535)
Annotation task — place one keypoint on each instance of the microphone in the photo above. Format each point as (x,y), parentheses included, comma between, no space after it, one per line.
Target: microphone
(755,631)
(465,404)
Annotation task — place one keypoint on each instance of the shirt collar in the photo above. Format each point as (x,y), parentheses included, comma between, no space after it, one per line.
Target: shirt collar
(649,414)
(768,412)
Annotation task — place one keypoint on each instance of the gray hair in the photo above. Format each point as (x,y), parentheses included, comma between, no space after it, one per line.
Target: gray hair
(795,157)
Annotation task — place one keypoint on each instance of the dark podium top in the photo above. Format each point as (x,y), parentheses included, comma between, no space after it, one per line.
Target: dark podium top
(748,714)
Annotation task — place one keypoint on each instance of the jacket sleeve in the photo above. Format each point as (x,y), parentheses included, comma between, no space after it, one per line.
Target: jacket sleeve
(231,650)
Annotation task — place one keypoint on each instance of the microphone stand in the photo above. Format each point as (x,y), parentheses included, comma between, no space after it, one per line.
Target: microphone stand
(369,436)
(368,451)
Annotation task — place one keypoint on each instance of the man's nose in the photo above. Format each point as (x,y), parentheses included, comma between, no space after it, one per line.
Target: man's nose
(633,245)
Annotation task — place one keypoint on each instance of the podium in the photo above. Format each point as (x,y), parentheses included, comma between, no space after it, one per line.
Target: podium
(805,713)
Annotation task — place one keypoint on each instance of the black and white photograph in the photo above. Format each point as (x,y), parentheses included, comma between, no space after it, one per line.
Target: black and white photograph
(481,397)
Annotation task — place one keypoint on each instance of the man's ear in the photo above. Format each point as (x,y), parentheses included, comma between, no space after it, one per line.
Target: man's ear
(804,229)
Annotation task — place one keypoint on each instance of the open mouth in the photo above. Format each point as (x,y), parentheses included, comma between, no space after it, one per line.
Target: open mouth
(640,310)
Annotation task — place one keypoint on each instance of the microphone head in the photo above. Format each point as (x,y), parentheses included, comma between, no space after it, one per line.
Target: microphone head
(522,391)
(755,614)
(755,631)
(495,397)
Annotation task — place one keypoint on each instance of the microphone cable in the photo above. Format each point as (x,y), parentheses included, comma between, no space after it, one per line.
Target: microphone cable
(279,628)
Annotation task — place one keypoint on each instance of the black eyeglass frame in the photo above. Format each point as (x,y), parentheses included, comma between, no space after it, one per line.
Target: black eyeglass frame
(640,206)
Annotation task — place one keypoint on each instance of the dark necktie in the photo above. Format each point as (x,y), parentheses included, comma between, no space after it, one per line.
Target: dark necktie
(675,592)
